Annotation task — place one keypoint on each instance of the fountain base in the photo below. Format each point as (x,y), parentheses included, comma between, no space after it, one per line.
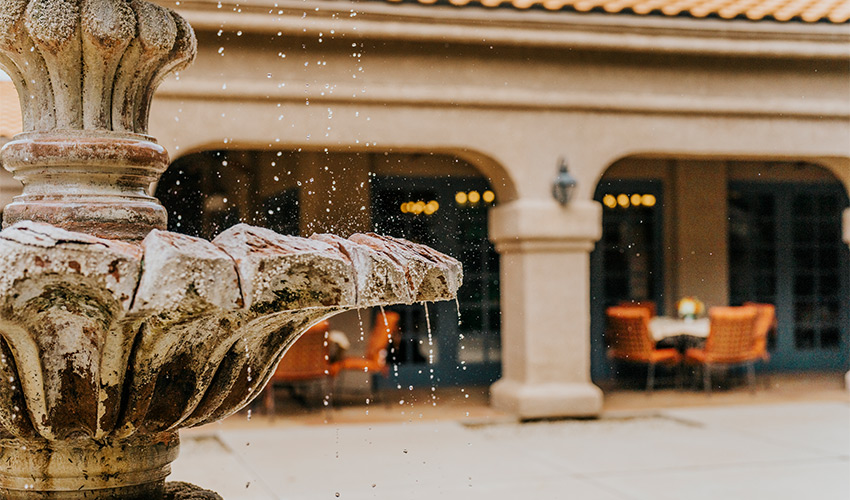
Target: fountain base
(86,469)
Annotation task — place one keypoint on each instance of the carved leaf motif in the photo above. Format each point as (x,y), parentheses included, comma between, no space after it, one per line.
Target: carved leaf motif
(112,339)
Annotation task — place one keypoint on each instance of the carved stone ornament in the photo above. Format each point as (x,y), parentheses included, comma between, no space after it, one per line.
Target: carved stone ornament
(114,333)
(85,72)
(109,347)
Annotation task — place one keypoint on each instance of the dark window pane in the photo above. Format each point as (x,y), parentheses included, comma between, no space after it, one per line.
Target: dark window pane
(804,284)
(803,205)
(830,338)
(804,338)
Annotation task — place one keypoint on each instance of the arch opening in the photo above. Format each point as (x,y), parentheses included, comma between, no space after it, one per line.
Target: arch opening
(440,200)
(726,232)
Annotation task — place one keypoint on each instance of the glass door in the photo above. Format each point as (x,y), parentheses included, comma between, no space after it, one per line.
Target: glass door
(785,248)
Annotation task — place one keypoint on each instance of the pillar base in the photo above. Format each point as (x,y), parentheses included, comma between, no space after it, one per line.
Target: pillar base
(547,400)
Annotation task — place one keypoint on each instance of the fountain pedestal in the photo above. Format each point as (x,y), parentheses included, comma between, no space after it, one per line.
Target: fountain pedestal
(114,334)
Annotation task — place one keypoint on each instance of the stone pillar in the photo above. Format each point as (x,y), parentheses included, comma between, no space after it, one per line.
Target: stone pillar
(545,258)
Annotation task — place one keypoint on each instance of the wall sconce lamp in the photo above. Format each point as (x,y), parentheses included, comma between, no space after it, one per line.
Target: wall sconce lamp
(564,184)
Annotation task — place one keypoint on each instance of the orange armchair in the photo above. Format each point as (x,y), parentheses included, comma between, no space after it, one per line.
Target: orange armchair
(628,339)
(306,361)
(375,359)
(765,326)
(648,304)
(731,341)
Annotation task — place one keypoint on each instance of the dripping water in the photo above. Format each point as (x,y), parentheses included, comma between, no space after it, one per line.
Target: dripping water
(360,322)
(430,354)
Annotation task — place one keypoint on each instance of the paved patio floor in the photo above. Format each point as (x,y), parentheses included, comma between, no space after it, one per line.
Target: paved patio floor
(797,450)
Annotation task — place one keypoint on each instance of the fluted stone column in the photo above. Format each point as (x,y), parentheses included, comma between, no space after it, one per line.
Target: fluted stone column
(545,275)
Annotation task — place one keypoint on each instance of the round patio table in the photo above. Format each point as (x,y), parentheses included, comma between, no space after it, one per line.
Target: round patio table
(681,334)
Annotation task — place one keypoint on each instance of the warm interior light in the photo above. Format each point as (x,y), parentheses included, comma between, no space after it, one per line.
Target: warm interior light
(431,207)
(460,197)
(488,196)
(635,199)
(648,200)
(474,197)
(623,200)
(609,201)
(404,208)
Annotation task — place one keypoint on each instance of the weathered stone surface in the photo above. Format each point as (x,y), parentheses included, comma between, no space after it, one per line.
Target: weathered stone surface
(430,275)
(182,272)
(380,278)
(178,490)
(82,469)
(280,272)
(63,298)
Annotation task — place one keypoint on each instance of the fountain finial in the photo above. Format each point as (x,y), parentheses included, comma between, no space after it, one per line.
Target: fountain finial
(85,72)
(90,64)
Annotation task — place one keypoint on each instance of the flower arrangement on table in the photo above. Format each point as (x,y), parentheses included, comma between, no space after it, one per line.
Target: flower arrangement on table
(690,308)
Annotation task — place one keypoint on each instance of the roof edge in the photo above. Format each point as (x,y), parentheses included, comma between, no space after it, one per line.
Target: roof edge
(478,26)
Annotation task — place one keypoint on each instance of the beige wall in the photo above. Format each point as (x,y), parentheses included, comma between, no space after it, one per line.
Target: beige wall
(511,92)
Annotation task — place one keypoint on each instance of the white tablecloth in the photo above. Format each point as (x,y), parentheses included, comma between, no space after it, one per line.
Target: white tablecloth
(661,327)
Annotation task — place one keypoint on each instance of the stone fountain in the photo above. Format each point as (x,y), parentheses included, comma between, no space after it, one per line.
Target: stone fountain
(115,333)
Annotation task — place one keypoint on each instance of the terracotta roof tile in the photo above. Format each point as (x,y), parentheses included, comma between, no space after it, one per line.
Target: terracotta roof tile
(810,11)
(10,110)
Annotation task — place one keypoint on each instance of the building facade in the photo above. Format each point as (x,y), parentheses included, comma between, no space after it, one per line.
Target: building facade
(732,127)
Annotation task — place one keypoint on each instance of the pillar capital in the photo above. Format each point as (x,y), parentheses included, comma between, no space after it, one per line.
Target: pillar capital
(544,225)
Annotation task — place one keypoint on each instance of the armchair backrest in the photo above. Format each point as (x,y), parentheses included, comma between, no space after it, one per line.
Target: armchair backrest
(648,304)
(307,357)
(765,324)
(627,331)
(731,336)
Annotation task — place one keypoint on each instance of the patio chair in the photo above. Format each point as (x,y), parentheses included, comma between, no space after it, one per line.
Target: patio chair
(731,342)
(628,339)
(303,365)
(765,327)
(374,360)
(647,304)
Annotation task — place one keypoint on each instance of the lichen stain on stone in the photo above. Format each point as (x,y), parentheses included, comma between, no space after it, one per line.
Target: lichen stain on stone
(176,384)
(74,413)
(112,270)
